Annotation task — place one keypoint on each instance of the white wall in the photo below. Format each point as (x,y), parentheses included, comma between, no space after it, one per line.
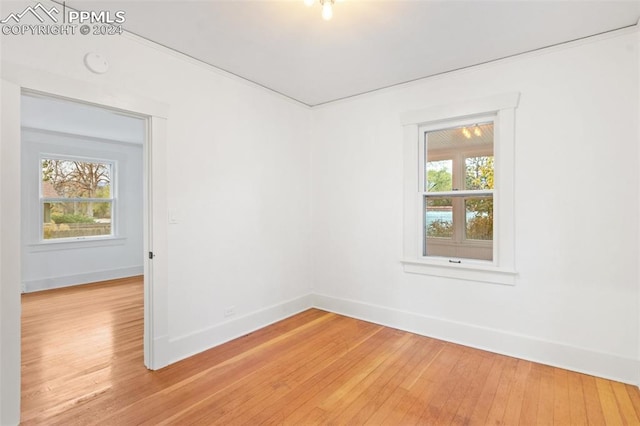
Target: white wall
(48,265)
(238,169)
(575,302)
(638,100)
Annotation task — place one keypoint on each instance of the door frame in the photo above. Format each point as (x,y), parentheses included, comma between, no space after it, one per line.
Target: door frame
(14,80)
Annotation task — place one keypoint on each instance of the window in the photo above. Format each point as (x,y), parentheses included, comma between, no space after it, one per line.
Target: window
(76,198)
(459,190)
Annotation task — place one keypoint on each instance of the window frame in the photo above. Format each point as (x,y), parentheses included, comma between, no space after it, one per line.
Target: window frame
(501,270)
(113,235)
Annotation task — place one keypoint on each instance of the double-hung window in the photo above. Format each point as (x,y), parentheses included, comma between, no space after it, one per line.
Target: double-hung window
(76,198)
(459,190)
(456,189)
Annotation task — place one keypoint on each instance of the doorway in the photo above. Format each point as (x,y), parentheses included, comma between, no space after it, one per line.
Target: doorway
(82,223)
(154,171)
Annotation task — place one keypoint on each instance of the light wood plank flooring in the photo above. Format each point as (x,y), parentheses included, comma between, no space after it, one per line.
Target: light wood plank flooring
(82,364)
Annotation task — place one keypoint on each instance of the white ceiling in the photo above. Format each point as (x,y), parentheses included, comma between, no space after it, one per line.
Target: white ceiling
(60,115)
(287,47)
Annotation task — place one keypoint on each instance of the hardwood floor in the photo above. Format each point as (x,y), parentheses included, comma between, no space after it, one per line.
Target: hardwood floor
(82,364)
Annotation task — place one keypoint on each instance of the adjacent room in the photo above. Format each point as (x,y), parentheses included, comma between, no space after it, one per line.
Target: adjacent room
(82,211)
(82,192)
(319,212)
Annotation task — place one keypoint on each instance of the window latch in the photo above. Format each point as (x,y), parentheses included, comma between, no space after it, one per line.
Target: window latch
(455,261)
(151,255)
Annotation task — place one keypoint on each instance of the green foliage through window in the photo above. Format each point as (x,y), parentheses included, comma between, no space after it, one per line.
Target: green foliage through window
(71,218)
(459,175)
(77,198)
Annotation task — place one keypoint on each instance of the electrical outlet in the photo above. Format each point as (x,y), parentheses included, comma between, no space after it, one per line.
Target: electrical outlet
(230,311)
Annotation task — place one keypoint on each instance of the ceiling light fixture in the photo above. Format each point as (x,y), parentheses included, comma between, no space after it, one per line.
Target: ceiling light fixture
(327,7)
(467,133)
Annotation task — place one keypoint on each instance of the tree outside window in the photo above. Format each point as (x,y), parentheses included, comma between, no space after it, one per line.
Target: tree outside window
(77,198)
(458,192)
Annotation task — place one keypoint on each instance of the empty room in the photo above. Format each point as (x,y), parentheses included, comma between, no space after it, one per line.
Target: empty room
(319,212)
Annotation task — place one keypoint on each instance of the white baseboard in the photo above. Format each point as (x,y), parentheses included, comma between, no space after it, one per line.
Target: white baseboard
(77,279)
(183,347)
(556,354)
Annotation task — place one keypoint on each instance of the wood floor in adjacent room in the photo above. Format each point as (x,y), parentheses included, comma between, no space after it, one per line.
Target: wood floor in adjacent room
(82,364)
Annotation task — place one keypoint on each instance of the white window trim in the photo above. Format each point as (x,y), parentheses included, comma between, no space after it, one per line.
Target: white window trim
(79,243)
(38,143)
(502,269)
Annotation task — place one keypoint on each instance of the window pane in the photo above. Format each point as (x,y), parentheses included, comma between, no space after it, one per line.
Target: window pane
(478,172)
(75,179)
(76,219)
(439,217)
(439,176)
(479,218)
(459,159)
(461,138)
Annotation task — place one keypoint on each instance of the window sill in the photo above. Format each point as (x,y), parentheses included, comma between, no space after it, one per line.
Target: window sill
(80,243)
(470,271)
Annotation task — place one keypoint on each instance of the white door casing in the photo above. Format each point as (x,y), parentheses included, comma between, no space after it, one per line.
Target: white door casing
(16,78)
